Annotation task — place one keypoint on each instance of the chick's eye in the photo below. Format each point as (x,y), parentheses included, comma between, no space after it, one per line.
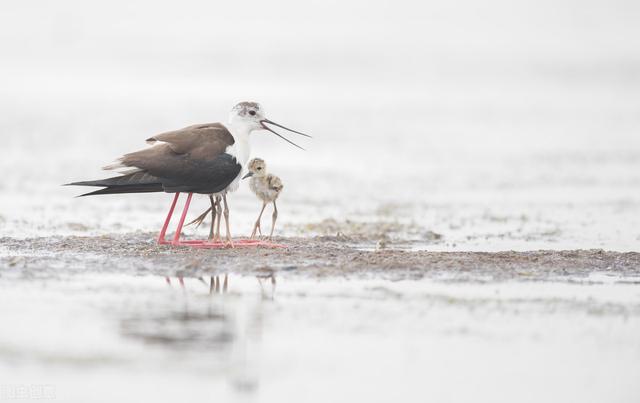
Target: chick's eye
(252,113)
(259,168)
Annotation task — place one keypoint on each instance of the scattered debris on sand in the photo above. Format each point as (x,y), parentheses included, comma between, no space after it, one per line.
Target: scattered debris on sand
(319,256)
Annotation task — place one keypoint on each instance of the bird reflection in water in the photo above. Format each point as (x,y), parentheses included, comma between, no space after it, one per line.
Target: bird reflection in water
(213,284)
(233,310)
(218,285)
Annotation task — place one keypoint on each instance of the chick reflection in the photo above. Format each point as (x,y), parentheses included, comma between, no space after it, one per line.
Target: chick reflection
(265,277)
(245,375)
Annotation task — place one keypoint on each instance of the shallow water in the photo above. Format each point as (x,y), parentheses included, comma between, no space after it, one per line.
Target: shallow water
(119,337)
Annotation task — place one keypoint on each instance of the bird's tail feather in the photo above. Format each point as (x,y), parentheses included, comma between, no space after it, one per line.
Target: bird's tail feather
(138,182)
(124,189)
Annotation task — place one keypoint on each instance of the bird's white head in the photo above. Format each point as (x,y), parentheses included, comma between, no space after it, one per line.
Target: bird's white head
(249,116)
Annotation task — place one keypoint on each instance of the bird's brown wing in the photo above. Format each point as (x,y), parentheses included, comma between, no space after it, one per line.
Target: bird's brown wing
(192,159)
(181,150)
(200,141)
(189,158)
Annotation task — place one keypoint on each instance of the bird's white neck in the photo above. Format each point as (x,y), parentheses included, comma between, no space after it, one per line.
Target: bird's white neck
(241,148)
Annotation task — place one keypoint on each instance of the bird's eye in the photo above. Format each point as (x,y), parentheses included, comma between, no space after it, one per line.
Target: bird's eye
(252,113)
(259,168)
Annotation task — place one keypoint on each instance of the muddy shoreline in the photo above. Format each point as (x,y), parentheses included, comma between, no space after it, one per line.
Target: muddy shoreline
(312,257)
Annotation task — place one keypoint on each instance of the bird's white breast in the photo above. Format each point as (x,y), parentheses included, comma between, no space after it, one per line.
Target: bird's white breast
(240,150)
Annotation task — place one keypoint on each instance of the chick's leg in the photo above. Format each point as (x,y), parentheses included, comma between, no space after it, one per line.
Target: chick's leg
(256,226)
(274,217)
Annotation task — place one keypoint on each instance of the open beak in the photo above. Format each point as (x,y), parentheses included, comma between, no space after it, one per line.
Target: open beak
(248,175)
(263,123)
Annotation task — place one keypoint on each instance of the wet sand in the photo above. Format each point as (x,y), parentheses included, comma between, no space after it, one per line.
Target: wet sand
(326,256)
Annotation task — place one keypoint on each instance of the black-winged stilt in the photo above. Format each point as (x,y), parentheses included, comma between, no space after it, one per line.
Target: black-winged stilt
(206,158)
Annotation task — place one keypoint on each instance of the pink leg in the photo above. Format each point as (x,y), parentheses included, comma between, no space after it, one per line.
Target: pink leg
(163,232)
(197,243)
(176,236)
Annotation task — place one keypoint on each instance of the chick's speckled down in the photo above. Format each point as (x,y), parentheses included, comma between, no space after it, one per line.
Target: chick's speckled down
(267,188)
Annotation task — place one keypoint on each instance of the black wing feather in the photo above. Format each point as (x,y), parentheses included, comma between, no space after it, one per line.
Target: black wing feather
(194,175)
(204,176)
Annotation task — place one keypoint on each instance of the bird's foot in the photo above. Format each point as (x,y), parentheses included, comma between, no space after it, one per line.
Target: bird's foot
(217,240)
(229,242)
(257,229)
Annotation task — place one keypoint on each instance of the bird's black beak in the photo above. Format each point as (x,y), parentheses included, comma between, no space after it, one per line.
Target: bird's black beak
(263,122)
(248,175)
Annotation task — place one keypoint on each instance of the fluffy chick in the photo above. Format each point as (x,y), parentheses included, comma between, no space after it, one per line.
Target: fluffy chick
(267,187)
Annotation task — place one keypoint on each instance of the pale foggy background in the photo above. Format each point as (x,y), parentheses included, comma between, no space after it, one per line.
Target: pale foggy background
(498,125)
(438,125)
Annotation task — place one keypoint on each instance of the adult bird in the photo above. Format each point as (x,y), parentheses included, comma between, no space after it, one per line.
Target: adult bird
(206,158)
